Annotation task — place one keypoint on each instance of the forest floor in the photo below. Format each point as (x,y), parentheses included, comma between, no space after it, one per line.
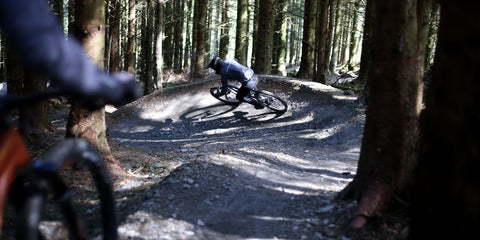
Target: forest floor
(200,169)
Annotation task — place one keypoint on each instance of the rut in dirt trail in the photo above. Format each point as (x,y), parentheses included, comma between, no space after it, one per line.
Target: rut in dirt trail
(244,173)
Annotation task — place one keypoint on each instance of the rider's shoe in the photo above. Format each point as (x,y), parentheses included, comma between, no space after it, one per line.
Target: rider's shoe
(258,105)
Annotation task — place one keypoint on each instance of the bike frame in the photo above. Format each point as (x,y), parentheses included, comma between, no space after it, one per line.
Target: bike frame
(13,155)
(16,165)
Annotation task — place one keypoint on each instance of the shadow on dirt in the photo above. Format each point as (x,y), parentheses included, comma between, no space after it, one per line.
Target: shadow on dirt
(243,173)
(229,204)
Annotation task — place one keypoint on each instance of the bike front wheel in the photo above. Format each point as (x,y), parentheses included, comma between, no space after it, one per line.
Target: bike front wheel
(230,97)
(272,101)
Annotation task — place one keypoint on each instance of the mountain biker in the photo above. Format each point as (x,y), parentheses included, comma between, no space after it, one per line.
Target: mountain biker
(41,43)
(231,69)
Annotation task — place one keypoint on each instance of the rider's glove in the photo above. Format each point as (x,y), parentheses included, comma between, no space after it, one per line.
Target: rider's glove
(221,91)
(121,90)
(116,89)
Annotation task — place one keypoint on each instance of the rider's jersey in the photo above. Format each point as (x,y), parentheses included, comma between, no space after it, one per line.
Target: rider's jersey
(233,70)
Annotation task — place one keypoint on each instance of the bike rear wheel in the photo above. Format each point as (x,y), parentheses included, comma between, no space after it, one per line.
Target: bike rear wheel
(230,97)
(272,101)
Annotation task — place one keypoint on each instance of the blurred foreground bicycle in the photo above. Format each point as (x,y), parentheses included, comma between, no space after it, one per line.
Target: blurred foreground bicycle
(30,183)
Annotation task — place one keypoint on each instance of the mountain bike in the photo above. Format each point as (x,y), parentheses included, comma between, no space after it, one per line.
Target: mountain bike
(268,99)
(29,183)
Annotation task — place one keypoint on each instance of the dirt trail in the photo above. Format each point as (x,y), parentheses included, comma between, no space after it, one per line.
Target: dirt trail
(244,173)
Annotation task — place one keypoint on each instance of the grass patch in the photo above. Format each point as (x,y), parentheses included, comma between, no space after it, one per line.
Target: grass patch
(353,86)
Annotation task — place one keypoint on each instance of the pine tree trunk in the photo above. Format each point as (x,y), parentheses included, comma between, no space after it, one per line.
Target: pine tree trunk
(147,49)
(336,36)
(131,39)
(188,40)
(446,203)
(279,50)
(33,120)
(168,46)
(114,27)
(241,40)
(321,33)
(198,63)
(255,30)
(178,36)
(263,48)
(13,69)
(367,42)
(90,125)
(388,153)
(159,46)
(225,29)
(353,35)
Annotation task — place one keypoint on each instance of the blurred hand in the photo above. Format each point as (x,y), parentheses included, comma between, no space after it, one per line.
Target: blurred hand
(116,89)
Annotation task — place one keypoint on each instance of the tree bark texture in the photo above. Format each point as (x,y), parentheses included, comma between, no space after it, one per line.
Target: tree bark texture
(388,153)
(263,48)
(367,41)
(114,27)
(353,36)
(159,44)
(225,30)
(90,125)
(446,199)
(168,40)
(198,63)
(131,39)
(147,48)
(279,50)
(178,35)
(241,38)
(321,33)
(336,36)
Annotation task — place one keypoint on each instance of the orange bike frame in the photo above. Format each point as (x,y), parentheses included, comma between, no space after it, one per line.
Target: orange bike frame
(13,154)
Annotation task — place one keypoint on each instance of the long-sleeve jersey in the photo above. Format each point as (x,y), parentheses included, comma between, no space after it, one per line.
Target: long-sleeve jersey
(232,70)
(41,42)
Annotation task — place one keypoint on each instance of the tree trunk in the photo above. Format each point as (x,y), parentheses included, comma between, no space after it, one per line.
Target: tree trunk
(446,203)
(198,63)
(331,31)
(13,69)
(353,36)
(321,33)
(263,48)
(336,36)
(225,29)
(255,30)
(178,35)
(188,41)
(33,120)
(342,60)
(241,39)
(147,48)
(367,41)
(159,47)
(90,125)
(366,57)
(131,39)
(388,153)
(279,51)
(114,27)
(168,46)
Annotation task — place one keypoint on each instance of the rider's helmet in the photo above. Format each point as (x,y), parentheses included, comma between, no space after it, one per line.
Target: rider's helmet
(215,64)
